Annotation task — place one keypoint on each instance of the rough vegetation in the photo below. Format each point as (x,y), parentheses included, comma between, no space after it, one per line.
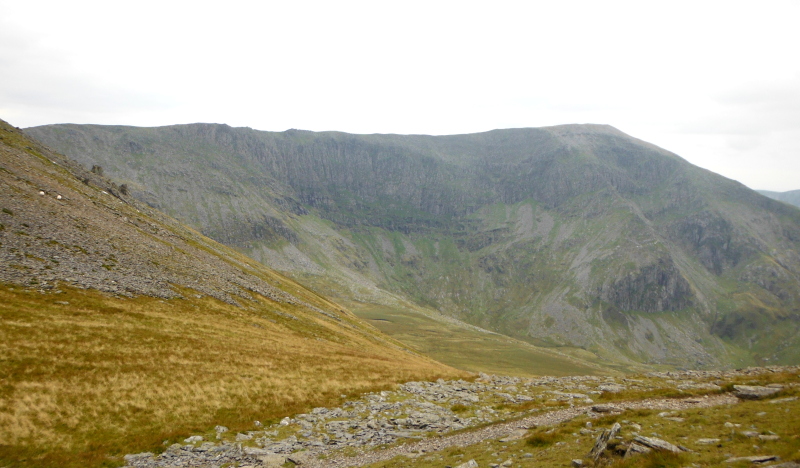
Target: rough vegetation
(576,236)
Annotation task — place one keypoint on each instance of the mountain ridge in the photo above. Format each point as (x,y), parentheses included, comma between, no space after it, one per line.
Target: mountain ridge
(791,197)
(577,236)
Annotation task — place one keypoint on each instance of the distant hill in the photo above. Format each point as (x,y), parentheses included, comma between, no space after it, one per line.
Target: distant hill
(577,236)
(121,328)
(792,197)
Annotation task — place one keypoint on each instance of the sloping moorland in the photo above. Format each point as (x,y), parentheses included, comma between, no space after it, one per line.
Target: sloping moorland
(121,328)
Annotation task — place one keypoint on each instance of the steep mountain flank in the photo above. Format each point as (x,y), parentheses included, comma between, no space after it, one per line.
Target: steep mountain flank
(120,327)
(791,197)
(575,235)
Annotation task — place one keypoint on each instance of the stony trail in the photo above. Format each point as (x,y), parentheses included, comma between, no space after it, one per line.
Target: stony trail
(426,417)
(496,431)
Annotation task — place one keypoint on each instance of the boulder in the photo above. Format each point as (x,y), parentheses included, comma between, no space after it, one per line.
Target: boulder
(272,460)
(138,459)
(707,441)
(754,392)
(514,435)
(602,441)
(658,444)
(753,459)
(469,464)
(604,408)
(635,449)
(611,388)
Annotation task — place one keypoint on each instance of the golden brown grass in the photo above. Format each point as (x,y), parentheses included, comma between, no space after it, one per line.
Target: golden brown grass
(83,383)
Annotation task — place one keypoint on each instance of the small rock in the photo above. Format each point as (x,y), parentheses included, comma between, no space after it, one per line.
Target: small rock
(137,458)
(750,434)
(272,460)
(612,388)
(577,463)
(658,444)
(753,392)
(602,441)
(193,439)
(220,429)
(783,400)
(769,437)
(753,459)
(707,441)
(635,449)
(469,464)
(603,408)
(517,434)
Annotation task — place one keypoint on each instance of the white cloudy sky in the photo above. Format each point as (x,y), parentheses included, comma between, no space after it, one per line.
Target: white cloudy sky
(717,82)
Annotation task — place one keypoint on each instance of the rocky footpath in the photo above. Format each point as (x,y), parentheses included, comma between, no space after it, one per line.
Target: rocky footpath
(418,416)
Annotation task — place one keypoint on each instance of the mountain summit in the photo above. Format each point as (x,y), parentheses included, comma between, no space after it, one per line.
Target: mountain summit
(575,236)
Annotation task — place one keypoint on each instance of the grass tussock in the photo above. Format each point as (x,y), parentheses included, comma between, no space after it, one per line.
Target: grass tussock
(86,378)
(542,438)
(459,408)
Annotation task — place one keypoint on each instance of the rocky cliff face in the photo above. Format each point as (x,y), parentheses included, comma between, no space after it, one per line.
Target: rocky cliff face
(575,235)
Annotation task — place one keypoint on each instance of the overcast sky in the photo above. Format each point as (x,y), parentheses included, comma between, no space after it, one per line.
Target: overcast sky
(716,82)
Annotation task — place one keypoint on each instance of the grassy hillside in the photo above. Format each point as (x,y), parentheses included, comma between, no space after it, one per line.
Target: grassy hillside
(121,329)
(477,350)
